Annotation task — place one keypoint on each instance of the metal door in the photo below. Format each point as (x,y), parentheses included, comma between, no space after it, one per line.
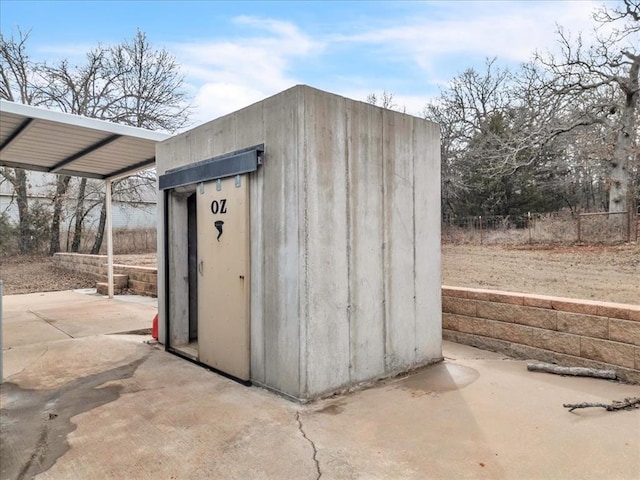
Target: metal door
(223,275)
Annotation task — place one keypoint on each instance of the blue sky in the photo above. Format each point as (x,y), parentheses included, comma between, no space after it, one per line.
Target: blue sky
(236,53)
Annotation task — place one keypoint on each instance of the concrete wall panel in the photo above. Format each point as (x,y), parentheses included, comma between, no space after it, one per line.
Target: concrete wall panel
(281,243)
(399,254)
(426,168)
(162,271)
(366,293)
(248,131)
(214,138)
(174,152)
(257,312)
(303,239)
(178,271)
(327,332)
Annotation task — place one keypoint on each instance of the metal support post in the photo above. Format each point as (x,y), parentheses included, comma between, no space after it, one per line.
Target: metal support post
(109,240)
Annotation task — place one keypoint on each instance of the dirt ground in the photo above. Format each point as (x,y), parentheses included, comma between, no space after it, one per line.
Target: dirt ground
(609,274)
(36,273)
(30,274)
(599,273)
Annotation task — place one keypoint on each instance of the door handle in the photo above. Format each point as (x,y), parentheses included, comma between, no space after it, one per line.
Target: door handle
(201,266)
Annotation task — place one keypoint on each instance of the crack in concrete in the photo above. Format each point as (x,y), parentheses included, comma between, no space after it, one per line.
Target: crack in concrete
(313,445)
(49,321)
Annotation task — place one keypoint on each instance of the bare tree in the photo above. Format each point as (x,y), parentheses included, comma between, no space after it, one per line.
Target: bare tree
(610,64)
(475,113)
(385,100)
(503,141)
(148,85)
(150,94)
(130,83)
(78,90)
(130,189)
(81,90)
(16,85)
(452,146)
(512,143)
(79,215)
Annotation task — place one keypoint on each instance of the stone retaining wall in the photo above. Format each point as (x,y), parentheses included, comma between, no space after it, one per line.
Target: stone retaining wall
(92,265)
(551,329)
(142,280)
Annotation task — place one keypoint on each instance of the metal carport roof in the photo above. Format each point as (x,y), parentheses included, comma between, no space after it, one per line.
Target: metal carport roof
(37,139)
(33,138)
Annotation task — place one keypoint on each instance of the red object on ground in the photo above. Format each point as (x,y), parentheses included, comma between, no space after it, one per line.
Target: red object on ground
(154,328)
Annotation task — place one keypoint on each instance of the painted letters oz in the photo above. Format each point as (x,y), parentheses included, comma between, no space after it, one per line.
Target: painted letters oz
(219,206)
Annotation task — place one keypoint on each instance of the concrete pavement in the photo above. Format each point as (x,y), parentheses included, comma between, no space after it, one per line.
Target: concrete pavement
(101,405)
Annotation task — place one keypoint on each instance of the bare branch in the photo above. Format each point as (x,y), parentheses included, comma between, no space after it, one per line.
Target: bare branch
(626,404)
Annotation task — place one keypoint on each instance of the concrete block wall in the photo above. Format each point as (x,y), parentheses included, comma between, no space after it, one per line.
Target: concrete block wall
(141,281)
(92,265)
(552,329)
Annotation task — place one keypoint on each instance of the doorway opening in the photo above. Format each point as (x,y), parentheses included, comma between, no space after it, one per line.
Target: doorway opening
(207,261)
(185,327)
(191,347)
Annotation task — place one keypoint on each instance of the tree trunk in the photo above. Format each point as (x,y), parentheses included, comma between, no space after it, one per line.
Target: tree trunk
(77,233)
(62,184)
(620,183)
(97,244)
(20,187)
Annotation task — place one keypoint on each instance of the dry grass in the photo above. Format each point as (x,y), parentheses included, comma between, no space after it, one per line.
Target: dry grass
(125,241)
(556,228)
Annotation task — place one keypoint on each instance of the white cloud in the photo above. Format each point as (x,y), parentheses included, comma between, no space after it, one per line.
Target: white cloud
(215,99)
(289,38)
(231,73)
(411,104)
(509,30)
(234,74)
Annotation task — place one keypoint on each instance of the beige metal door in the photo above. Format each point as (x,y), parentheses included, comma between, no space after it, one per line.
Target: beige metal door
(223,275)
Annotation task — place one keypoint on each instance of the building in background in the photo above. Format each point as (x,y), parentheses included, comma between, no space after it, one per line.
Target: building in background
(127,213)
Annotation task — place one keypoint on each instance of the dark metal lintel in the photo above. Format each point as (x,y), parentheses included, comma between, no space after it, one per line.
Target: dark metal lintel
(227,165)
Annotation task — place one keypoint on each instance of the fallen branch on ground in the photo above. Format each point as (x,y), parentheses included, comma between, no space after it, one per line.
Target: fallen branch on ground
(626,404)
(575,371)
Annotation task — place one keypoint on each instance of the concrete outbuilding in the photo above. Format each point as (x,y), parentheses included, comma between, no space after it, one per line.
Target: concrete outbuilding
(299,243)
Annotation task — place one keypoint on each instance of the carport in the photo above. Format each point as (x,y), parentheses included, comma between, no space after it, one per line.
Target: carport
(42,140)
